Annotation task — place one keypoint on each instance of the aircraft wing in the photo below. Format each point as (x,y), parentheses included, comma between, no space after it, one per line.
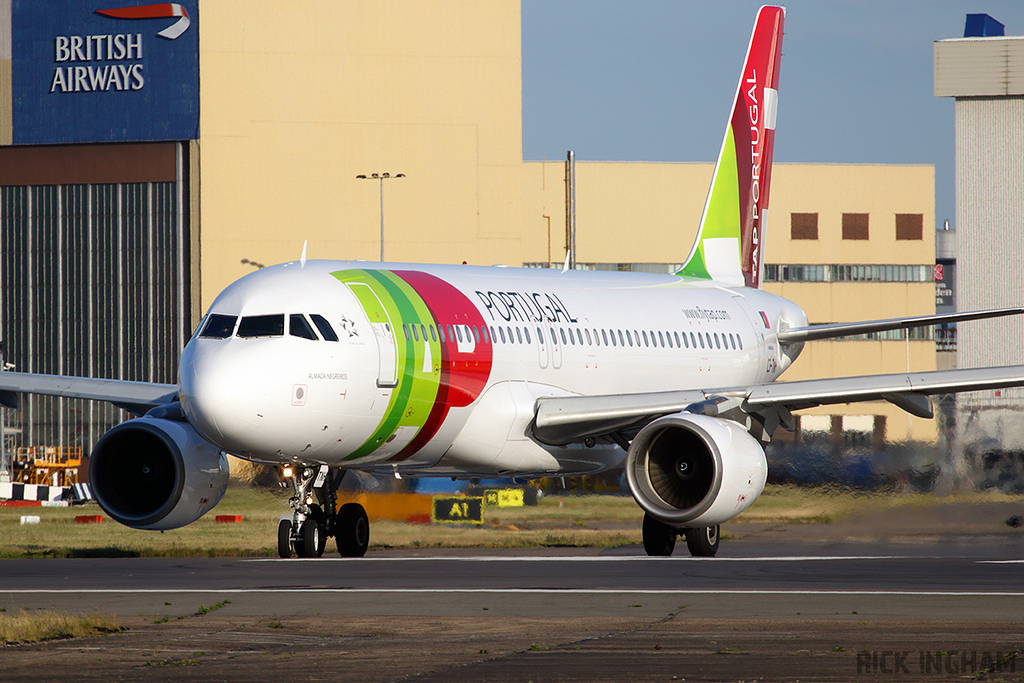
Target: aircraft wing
(902,389)
(567,419)
(135,397)
(831,331)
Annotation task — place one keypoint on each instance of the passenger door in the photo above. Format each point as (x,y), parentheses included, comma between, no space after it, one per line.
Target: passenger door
(383,333)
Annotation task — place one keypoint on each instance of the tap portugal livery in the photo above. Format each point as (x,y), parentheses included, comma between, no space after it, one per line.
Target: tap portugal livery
(463,371)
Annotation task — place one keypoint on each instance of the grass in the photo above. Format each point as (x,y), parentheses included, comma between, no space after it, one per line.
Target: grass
(558,521)
(57,534)
(40,626)
(789,504)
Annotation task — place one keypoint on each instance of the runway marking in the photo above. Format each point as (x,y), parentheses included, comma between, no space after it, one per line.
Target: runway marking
(610,558)
(527,591)
(1000,561)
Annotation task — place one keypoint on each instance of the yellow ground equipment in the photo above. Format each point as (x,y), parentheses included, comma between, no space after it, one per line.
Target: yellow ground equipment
(47,465)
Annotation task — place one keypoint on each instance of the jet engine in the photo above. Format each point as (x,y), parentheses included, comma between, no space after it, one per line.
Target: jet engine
(694,470)
(157,473)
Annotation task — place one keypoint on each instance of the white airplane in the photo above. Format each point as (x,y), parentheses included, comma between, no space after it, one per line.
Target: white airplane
(461,371)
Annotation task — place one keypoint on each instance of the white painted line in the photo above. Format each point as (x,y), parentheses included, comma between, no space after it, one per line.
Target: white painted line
(503,591)
(611,558)
(1000,561)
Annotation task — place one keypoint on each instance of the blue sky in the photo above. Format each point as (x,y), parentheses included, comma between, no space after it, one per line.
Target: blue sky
(653,80)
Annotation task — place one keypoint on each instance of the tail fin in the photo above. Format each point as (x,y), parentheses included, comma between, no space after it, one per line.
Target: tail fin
(730,243)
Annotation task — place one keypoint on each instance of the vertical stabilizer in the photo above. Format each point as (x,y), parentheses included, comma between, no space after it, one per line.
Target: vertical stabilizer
(730,242)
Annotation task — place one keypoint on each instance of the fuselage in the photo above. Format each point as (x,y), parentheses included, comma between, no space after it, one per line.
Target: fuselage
(401,367)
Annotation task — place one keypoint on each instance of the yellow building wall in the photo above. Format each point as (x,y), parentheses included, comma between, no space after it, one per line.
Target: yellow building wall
(649,213)
(830,190)
(296,102)
(6,103)
(625,212)
(881,192)
(640,212)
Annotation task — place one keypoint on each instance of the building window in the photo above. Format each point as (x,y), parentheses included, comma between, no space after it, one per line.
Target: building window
(914,334)
(803,226)
(777,272)
(855,226)
(909,226)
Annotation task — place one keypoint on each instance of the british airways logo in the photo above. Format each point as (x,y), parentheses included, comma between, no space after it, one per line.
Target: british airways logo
(112,61)
(160,10)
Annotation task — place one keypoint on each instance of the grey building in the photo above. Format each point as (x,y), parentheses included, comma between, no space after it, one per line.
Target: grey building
(985,73)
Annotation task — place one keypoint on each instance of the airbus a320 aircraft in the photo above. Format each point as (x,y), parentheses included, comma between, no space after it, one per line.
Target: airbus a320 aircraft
(462,371)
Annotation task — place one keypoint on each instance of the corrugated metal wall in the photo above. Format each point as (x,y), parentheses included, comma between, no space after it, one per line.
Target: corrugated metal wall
(92,283)
(974,67)
(990,233)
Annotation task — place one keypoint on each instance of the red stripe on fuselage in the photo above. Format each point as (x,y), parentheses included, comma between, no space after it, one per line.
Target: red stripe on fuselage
(463,376)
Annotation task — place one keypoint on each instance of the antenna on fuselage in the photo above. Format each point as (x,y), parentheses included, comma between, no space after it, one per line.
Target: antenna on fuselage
(302,259)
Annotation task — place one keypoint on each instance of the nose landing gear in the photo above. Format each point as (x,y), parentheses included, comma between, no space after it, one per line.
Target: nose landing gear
(315,517)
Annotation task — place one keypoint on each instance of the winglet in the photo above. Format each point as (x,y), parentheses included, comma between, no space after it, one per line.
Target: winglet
(302,259)
(730,242)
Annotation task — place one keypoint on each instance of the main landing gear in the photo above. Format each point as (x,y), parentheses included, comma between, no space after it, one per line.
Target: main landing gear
(660,538)
(314,520)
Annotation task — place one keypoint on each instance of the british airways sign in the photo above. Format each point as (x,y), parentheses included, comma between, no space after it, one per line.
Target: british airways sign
(83,71)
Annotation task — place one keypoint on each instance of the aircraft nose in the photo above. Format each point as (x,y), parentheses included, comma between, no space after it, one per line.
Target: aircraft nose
(219,396)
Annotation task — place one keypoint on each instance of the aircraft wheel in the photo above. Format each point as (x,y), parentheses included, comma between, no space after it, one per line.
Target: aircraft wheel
(313,539)
(703,541)
(659,538)
(352,530)
(284,539)
(321,539)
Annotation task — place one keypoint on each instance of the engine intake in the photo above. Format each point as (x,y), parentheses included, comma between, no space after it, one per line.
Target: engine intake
(694,470)
(154,473)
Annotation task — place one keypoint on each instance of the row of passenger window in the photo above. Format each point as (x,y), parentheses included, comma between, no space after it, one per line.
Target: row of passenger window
(222,326)
(575,336)
(657,339)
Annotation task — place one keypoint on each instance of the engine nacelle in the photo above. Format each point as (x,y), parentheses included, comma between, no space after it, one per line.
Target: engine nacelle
(694,470)
(154,473)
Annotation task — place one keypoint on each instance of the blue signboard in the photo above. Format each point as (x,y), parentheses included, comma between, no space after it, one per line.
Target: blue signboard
(104,71)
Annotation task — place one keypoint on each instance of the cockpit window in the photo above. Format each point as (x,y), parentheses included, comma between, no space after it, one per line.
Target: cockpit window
(261,326)
(298,326)
(326,331)
(218,326)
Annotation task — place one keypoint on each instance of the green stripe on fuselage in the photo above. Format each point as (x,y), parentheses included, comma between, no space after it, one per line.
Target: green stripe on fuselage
(411,400)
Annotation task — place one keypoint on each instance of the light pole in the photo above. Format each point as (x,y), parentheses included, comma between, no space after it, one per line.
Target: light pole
(381,177)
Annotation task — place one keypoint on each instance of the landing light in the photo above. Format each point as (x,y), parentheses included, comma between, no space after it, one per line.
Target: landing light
(287,472)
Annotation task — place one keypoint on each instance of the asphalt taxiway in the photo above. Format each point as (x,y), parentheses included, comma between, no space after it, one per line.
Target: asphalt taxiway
(975,578)
(813,610)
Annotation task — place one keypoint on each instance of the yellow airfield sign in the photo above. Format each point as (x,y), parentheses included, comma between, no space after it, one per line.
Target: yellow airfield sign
(504,498)
(457,510)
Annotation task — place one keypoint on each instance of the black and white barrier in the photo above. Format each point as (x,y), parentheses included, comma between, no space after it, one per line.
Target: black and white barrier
(37,492)
(78,493)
